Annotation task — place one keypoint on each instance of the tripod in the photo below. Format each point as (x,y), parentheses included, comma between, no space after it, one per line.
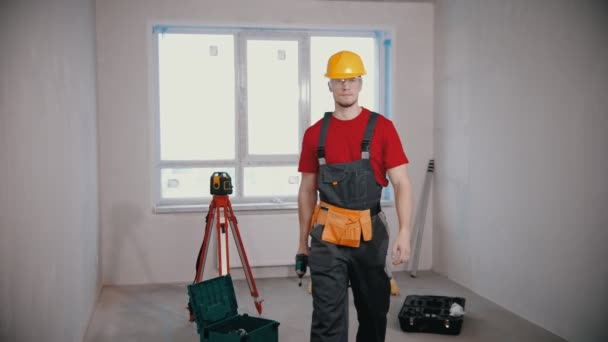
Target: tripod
(220,212)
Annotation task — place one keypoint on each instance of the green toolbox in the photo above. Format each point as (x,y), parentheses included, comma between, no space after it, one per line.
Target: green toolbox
(214,306)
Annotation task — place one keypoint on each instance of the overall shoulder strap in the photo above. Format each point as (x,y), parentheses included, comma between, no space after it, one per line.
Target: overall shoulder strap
(322,136)
(367,137)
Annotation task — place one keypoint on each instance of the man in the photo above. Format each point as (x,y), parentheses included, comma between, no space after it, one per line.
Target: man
(346,157)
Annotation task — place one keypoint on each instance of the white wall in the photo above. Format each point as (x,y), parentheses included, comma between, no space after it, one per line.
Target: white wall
(522,157)
(139,246)
(49,266)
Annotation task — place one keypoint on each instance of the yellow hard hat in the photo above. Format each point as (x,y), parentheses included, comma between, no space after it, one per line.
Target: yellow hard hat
(345,64)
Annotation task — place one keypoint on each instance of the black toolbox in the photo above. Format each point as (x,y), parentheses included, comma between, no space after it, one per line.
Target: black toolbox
(430,314)
(214,307)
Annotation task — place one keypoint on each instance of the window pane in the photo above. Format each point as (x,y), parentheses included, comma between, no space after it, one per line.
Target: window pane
(189,182)
(272,181)
(272,96)
(196,85)
(321,48)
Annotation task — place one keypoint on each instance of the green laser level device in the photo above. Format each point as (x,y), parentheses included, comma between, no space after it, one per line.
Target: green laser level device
(221,183)
(301,264)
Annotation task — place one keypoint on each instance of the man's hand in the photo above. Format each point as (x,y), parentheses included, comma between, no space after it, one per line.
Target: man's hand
(401,248)
(403,204)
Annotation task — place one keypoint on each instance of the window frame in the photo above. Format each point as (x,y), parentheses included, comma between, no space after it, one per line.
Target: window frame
(242,158)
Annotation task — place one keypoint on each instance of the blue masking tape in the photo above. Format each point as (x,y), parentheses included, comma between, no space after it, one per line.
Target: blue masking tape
(160,29)
(166,28)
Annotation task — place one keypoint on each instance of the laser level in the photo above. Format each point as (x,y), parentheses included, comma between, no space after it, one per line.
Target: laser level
(221,183)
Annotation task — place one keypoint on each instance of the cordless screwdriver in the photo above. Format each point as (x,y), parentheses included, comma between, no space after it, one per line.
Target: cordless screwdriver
(301,264)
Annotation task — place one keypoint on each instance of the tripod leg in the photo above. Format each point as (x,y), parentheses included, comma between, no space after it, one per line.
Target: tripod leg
(222,241)
(202,255)
(257,300)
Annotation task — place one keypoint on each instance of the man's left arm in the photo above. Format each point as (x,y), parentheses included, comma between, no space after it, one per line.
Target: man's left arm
(400,179)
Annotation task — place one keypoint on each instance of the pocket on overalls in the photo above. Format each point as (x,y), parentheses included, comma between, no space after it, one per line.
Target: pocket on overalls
(321,255)
(379,245)
(358,184)
(333,175)
(342,230)
(334,181)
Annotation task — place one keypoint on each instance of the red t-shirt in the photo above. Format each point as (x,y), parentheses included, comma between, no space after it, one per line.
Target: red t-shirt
(343,145)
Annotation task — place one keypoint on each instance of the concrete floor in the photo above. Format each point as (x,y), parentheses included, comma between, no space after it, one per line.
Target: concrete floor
(153,313)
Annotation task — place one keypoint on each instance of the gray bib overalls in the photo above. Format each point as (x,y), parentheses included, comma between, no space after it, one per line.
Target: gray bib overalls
(333,266)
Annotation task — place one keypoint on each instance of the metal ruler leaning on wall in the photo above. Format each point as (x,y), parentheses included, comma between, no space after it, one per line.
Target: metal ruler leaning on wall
(420,219)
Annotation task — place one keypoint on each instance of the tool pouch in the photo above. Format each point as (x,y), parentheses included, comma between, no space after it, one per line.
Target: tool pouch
(343,227)
(341,230)
(365,219)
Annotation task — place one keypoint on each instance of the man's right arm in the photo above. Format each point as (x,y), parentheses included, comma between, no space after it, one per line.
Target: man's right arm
(307,200)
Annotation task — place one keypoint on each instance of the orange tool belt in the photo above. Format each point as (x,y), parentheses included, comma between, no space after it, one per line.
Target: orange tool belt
(343,227)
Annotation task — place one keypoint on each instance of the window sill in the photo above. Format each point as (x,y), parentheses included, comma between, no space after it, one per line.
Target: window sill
(183,208)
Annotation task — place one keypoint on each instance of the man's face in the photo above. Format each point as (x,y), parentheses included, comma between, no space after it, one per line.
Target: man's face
(346,91)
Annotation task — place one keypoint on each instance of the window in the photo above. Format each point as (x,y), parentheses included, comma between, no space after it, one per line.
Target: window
(239,100)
